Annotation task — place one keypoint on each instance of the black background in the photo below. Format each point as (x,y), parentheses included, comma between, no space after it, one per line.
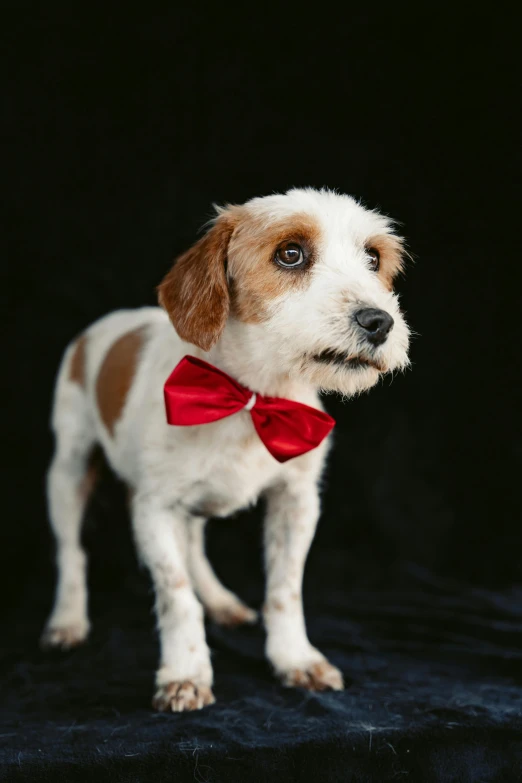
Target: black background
(121,131)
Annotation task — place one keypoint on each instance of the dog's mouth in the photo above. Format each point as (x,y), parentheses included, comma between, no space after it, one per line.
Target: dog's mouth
(350,362)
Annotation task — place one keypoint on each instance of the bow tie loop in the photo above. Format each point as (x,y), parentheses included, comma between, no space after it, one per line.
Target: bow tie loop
(199,393)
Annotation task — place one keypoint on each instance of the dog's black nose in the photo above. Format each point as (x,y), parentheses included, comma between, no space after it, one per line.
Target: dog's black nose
(376,324)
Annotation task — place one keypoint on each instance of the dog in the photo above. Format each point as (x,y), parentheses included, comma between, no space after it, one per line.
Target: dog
(289,295)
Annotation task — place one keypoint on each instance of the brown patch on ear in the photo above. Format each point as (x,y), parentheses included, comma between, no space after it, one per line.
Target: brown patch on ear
(77,366)
(195,292)
(255,277)
(391,252)
(116,375)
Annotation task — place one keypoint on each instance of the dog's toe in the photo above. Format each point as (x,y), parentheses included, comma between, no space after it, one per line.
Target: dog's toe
(232,614)
(320,676)
(64,637)
(182,697)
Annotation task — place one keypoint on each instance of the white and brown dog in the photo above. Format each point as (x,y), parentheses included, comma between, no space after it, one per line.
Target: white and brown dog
(289,294)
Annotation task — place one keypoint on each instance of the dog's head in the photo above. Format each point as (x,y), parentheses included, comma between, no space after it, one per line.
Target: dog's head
(311,273)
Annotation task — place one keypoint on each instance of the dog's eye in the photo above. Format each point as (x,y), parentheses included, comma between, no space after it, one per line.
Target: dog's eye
(289,254)
(375,258)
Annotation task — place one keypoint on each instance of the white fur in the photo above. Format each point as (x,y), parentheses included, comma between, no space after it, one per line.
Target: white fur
(179,474)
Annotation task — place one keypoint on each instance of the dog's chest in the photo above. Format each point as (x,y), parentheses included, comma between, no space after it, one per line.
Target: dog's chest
(228,473)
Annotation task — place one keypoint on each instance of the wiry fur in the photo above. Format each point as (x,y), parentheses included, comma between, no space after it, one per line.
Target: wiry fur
(270,325)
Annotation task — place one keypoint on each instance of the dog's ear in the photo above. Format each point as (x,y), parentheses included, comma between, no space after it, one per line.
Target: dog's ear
(195,292)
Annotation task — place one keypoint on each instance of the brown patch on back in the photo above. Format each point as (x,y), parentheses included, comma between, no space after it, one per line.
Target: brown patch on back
(391,251)
(116,375)
(255,277)
(77,366)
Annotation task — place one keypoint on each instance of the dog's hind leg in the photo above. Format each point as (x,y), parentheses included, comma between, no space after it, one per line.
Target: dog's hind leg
(221,604)
(70,481)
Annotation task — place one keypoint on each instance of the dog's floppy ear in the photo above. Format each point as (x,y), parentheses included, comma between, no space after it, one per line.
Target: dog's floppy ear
(195,292)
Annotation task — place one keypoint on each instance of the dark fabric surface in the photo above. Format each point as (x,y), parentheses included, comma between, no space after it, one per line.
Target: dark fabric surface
(434,693)
(121,130)
(433,672)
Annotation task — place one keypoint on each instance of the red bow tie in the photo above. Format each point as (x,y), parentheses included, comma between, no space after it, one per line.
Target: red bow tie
(198,393)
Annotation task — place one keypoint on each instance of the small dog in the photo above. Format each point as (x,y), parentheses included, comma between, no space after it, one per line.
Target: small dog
(289,295)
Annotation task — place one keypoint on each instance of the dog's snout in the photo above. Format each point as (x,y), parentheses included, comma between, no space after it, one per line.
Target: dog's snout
(376,324)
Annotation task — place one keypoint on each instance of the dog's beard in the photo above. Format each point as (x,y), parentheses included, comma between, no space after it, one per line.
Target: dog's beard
(351,360)
(349,377)
(348,371)
(351,364)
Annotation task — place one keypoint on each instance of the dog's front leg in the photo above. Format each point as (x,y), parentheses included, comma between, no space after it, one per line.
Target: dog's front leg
(184,678)
(292,513)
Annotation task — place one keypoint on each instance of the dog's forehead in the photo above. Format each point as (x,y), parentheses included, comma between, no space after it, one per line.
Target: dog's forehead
(338,217)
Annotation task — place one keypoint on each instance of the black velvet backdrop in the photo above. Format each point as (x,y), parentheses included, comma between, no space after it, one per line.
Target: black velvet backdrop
(122,129)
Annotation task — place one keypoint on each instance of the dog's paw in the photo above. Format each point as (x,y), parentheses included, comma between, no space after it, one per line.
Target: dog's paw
(232,614)
(64,637)
(182,696)
(319,676)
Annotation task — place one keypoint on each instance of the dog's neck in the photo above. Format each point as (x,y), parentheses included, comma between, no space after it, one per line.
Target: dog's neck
(241,353)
